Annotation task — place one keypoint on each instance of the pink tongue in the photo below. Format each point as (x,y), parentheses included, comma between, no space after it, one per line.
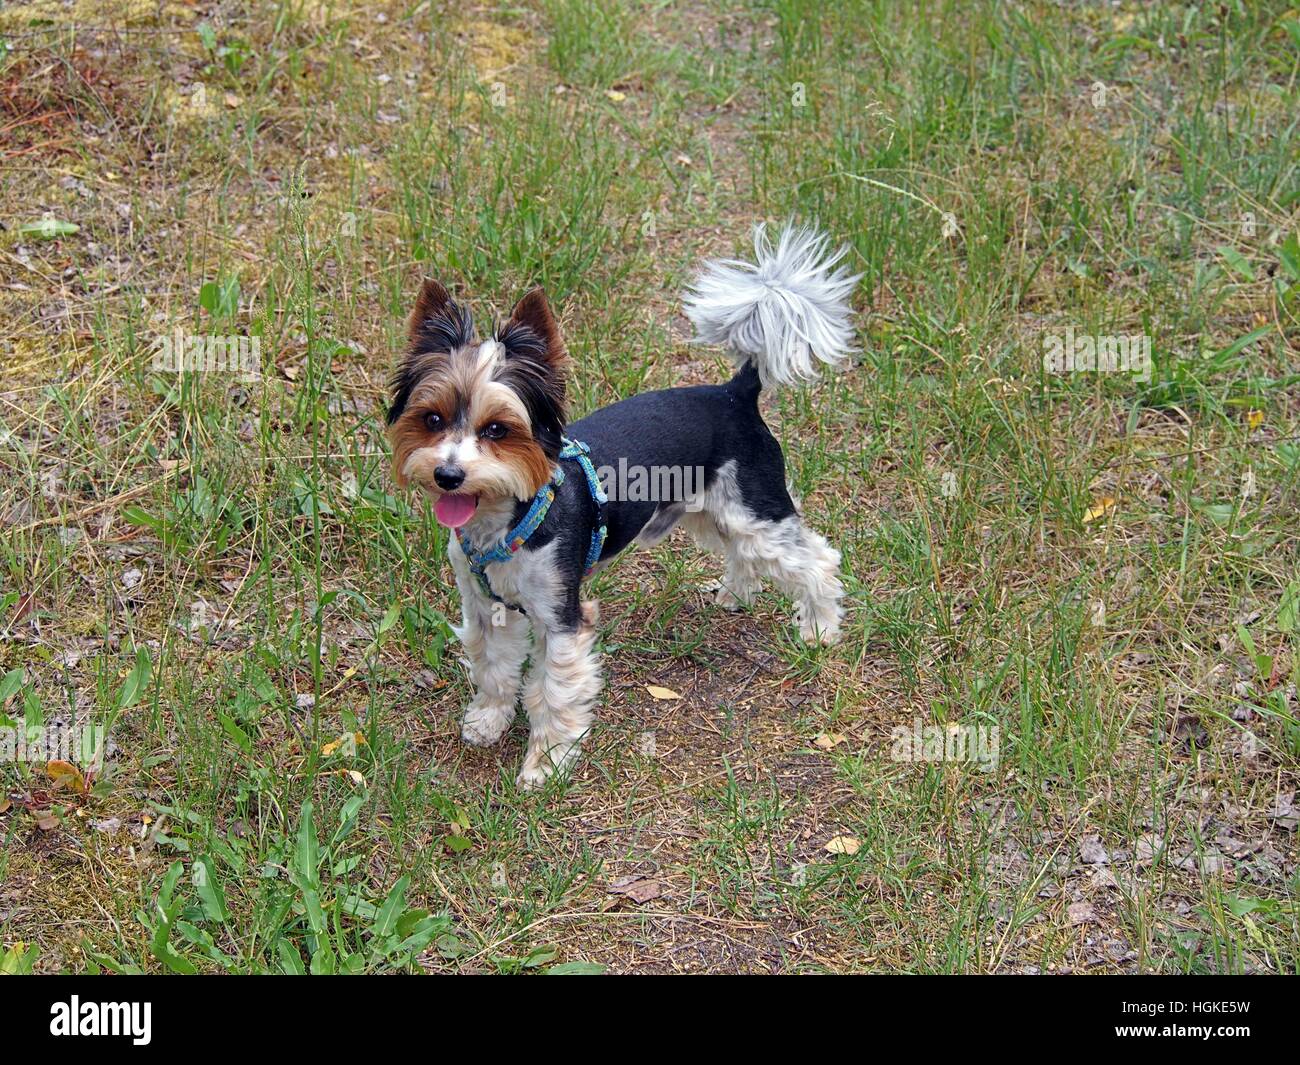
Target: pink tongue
(454,510)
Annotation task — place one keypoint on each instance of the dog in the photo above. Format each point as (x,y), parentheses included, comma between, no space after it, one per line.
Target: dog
(479,426)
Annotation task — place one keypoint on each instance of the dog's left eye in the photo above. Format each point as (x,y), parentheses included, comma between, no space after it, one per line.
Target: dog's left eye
(493,431)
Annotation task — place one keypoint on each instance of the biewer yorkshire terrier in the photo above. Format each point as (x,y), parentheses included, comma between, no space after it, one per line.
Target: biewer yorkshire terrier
(479,426)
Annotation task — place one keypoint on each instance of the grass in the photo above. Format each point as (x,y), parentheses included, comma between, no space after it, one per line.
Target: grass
(219,570)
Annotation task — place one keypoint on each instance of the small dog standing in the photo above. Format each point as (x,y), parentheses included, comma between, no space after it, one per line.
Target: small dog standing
(479,425)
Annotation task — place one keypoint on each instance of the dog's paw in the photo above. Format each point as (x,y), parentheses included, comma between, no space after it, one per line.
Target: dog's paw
(819,636)
(824,630)
(533,776)
(541,763)
(485,724)
(730,597)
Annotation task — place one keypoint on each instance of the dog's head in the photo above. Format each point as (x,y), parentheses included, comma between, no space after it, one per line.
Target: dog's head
(475,421)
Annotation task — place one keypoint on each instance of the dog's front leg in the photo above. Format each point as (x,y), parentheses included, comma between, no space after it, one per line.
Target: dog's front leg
(559,697)
(495,639)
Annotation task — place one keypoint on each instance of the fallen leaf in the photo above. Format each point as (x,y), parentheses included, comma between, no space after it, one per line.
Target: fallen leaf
(636,887)
(1254,419)
(615,95)
(24,606)
(844,845)
(1208,864)
(1099,509)
(46,821)
(1092,852)
(657,692)
(65,775)
(1080,912)
(1148,849)
(1285,812)
(232,101)
(828,740)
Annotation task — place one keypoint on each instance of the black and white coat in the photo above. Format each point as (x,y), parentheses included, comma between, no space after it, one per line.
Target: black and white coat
(778,315)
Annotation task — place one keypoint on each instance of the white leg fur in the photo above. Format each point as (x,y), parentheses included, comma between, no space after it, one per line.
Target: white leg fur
(495,654)
(739,584)
(561,691)
(796,558)
(807,569)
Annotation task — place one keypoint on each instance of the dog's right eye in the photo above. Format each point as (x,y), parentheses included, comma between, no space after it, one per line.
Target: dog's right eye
(433,421)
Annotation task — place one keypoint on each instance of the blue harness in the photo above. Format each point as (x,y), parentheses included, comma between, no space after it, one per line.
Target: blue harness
(505,548)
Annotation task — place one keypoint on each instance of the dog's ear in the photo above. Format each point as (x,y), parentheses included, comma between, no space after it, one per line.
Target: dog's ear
(428,304)
(534,312)
(536,366)
(438,326)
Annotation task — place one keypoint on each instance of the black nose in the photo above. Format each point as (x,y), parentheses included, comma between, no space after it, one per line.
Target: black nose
(449,478)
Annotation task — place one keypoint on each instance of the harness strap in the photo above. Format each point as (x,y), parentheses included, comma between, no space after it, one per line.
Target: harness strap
(505,548)
(576,449)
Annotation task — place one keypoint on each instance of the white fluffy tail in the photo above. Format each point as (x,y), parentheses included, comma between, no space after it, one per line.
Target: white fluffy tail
(783,312)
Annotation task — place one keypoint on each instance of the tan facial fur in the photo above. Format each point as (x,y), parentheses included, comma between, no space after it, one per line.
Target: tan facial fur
(459,387)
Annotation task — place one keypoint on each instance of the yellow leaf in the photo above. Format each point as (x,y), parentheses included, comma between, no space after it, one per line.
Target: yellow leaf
(1099,509)
(346,739)
(615,95)
(65,774)
(357,778)
(657,692)
(827,740)
(1254,419)
(843,845)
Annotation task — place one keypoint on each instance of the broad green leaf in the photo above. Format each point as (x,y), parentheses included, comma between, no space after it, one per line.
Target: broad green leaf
(10,683)
(307,855)
(235,732)
(136,681)
(576,968)
(49,228)
(386,919)
(1288,612)
(209,889)
(1239,263)
(290,959)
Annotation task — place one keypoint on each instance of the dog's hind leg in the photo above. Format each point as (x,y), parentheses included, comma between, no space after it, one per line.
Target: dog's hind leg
(780,548)
(739,583)
(496,643)
(802,564)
